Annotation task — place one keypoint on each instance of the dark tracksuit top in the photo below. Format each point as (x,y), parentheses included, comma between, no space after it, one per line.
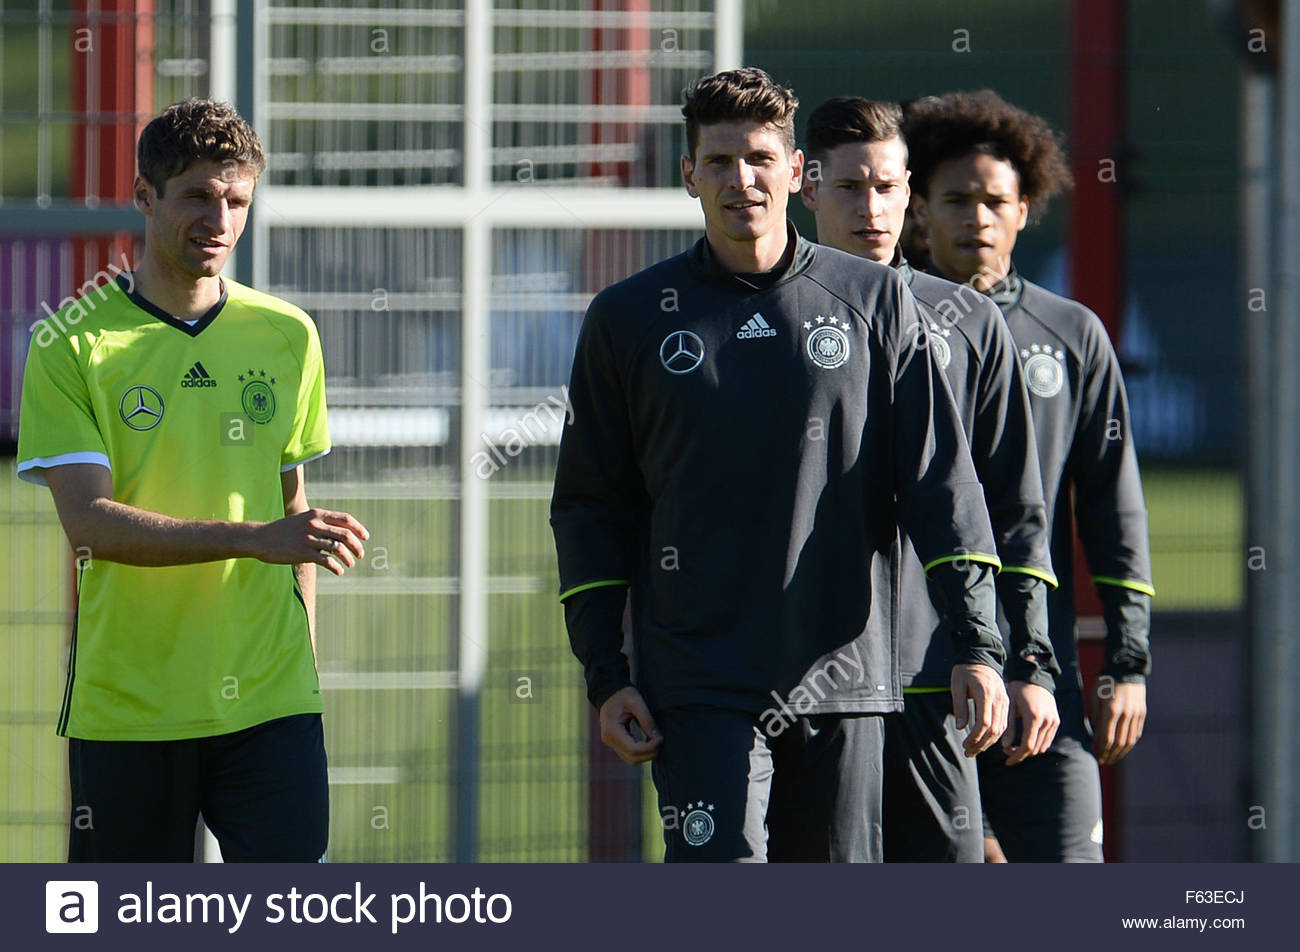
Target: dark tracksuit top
(741,455)
(1081,421)
(970,342)
(972,346)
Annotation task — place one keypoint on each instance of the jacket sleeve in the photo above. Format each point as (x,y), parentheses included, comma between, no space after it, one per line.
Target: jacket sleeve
(1023,599)
(597,508)
(963,594)
(1111,512)
(594,619)
(940,501)
(1006,460)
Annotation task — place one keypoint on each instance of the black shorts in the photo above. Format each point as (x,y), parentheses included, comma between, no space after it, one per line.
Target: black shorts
(1047,809)
(263,792)
(728,792)
(931,793)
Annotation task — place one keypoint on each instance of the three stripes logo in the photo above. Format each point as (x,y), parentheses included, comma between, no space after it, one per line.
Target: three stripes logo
(756,327)
(198,376)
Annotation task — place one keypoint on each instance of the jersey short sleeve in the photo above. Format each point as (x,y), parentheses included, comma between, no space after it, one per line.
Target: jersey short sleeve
(57,425)
(310,436)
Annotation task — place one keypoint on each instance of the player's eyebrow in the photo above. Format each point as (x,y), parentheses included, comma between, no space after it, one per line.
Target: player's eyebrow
(214,192)
(731,156)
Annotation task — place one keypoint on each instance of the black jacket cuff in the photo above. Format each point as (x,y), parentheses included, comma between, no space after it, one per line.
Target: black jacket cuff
(1127,614)
(1030,671)
(1023,599)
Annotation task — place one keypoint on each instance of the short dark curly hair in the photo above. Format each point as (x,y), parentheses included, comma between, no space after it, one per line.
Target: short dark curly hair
(193,130)
(954,125)
(746,94)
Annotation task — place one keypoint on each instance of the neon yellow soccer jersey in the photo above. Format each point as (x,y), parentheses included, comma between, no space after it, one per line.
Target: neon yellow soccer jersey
(196,422)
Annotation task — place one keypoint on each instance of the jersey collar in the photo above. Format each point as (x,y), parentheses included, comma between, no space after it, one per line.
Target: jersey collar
(1007,292)
(701,258)
(905,270)
(154,310)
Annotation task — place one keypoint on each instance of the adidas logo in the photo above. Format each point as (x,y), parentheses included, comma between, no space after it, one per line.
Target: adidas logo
(756,327)
(198,377)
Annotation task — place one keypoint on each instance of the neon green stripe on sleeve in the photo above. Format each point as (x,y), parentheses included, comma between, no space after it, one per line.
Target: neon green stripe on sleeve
(925,690)
(992,560)
(1047,577)
(603,583)
(1143,587)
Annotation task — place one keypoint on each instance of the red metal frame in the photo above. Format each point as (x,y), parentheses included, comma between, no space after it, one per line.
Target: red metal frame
(112,88)
(1097,256)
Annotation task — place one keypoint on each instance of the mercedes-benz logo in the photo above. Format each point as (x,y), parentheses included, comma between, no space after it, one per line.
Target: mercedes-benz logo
(141,407)
(681,352)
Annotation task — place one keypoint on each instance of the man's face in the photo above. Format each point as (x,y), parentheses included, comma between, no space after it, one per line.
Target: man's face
(971,217)
(195,223)
(743,176)
(859,198)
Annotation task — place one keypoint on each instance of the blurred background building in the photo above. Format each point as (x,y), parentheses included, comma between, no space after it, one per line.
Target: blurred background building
(448,186)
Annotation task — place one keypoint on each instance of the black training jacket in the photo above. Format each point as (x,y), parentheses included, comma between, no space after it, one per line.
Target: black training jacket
(970,342)
(1085,444)
(741,455)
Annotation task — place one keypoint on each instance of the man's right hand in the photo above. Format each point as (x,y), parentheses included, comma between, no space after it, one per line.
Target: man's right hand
(616,717)
(983,685)
(331,539)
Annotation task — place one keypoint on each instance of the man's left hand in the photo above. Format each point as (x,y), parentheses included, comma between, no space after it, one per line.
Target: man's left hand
(1035,710)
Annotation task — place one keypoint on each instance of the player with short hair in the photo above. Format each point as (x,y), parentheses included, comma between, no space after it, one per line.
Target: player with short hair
(752,420)
(980,168)
(859,196)
(170,412)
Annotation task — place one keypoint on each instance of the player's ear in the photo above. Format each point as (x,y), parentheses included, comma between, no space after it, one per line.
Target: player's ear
(142,194)
(918,210)
(809,194)
(1023,217)
(796,170)
(688,176)
(907,184)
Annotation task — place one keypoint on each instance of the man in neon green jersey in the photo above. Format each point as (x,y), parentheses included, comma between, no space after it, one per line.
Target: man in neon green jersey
(170,412)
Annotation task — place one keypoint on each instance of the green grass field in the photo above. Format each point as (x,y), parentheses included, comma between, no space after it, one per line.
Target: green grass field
(392,747)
